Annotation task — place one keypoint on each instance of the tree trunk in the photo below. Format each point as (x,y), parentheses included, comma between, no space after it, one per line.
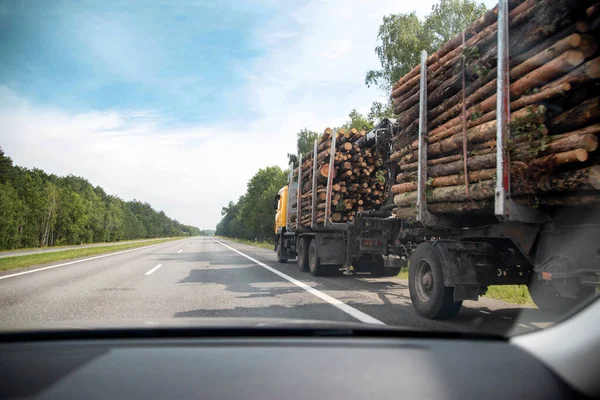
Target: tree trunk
(580,75)
(473,164)
(540,96)
(578,155)
(479,89)
(570,42)
(547,72)
(578,116)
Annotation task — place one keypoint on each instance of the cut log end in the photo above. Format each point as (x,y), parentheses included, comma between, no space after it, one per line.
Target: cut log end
(594,177)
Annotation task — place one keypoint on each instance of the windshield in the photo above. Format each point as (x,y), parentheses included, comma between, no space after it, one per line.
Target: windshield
(428,165)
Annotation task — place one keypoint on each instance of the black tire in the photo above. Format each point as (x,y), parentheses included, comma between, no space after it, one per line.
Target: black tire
(302,254)
(428,294)
(547,298)
(314,264)
(280,256)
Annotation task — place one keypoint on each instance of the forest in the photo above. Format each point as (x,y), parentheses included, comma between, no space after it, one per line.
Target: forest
(39,209)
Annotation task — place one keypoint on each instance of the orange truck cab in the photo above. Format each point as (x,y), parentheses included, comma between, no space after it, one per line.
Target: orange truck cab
(281,201)
(285,237)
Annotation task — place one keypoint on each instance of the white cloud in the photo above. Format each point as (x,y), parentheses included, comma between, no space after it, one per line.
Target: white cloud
(312,75)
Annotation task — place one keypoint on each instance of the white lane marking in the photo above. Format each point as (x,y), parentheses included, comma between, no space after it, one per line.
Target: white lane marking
(154,269)
(484,312)
(77,261)
(179,251)
(359,315)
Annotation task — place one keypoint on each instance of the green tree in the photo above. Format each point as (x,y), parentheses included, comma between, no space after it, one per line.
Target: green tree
(358,121)
(38,209)
(304,144)
(380,111)
(12,217)
(402,37)
(7,170)
(252,217)
(257,211)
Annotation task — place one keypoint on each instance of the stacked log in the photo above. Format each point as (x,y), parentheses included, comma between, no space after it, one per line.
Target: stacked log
(358,178)
(554,69)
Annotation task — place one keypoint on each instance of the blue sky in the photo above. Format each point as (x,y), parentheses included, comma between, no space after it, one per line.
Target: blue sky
(179,103)
(181,61)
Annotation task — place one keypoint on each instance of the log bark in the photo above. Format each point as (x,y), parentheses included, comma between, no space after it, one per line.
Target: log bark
(570,42)
(480,88)
(477,191)
(577,116)
(540,96)
(580,75)
(441,142)
(586,179)
(455,125)
(408,100)
(578,155)
(451,180)
(588,45)
(473,164)
(559,144)
(547,72)
(487,35)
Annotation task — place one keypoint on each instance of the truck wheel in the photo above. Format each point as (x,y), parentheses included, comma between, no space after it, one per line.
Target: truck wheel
(428,294)
(547,298)
(280,256)
(314,265)
(302,254)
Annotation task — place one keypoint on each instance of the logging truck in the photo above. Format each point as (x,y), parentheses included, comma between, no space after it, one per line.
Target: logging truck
(491,178)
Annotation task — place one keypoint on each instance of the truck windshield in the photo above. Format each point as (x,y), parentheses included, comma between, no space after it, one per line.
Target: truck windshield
(430,165)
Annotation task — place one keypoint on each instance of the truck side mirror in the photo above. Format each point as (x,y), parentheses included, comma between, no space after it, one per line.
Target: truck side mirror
(276,202)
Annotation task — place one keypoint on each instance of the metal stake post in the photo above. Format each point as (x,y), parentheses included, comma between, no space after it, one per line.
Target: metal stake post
(314,187)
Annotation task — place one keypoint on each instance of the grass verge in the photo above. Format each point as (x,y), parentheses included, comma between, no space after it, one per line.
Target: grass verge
(44,258)
(262,245)
(71,246)
(517,294)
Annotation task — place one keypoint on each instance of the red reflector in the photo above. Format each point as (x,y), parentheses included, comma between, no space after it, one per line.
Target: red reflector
(547,276)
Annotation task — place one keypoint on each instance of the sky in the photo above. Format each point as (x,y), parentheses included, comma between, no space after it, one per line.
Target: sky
(179,103)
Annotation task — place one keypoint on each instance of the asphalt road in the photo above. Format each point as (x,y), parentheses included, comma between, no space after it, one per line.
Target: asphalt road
(201,277)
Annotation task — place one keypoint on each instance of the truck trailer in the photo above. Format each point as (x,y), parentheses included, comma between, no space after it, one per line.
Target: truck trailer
(503,227)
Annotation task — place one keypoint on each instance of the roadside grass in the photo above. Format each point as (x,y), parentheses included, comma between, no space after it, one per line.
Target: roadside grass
(262,245)
(516,294)
(74,245)
(44,258)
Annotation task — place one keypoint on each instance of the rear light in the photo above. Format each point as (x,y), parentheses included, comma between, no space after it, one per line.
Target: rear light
(547,276)
(371,243)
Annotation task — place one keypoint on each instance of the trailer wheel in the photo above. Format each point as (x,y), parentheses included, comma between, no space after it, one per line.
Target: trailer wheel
(302,254)
(314,264)
(546,296)
(280,256)
(429,296)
